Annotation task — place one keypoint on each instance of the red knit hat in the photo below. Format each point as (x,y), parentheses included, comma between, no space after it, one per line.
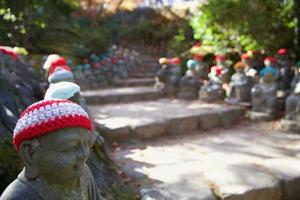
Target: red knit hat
(61,62)
(47,116)
(271,59)
(220,58)
(175,61)
(245,56)
(282,51)
(198,57)
(9,51)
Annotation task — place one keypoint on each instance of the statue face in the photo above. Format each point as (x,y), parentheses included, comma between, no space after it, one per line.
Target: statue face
(61,155)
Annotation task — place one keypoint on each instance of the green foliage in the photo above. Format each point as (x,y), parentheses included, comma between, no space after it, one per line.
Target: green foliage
(241,24)
(9,162)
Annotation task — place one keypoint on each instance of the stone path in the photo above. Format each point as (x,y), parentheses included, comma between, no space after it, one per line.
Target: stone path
(118,95)
(248,162)
(155,118)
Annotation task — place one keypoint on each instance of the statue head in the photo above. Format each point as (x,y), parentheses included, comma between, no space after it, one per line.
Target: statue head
(268,77)
(220,59)
(52,137)
(66,90)
(270,62)
(246,58)
(239,67)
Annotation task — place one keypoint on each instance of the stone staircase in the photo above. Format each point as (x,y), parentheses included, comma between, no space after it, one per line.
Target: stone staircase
(188,156)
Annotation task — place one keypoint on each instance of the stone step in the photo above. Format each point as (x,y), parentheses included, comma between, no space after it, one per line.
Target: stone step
(142,75)
(121,95)
(135,82)
(246,162)
(156,118)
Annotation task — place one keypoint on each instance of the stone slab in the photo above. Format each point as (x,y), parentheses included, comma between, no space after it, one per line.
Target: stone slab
(155,118)
(118,95)
(246,162)
(133,82)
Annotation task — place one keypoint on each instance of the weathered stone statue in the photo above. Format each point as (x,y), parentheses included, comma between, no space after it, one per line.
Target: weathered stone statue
(264,95)
(296,78)
(292,111)
(286,72)
(57,69)
(220,63)
(239,86)
(213,89)
(52,137)
(250,71)
(189,83)
(99,162)
(272,63)
(201,70)
(168,77)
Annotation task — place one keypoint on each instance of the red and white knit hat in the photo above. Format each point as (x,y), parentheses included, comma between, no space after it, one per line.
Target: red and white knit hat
(47,116)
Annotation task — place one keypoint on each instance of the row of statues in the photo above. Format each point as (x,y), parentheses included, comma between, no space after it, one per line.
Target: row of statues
(267,89)
(64,155)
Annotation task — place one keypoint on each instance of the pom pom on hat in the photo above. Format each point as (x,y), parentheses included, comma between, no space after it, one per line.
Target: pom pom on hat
(192,64)
(282,51)
(62,90)
(50,59)
(47,116)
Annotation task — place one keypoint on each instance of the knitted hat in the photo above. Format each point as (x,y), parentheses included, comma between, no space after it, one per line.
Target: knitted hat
(50,59)
(47,116)
(220,58)
(282,51)
(60,74)
(245,56)
(62,90)
(198,57)
(271,59)
(175,61)
(192,64)
(9,51)
(267,70)
(239,65)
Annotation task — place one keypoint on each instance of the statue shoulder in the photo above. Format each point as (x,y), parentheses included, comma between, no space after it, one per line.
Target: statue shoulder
(18,190)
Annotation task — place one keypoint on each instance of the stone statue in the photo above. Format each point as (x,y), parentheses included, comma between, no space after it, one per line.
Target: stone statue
(296,78)
(212,90)
(239,86)
(220,63)
(250,71)
(264,94)
(98,161)
(201,70)
(271,62)
(52,137)
(286,72)
(292,111)
(189,83)
(168,77)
